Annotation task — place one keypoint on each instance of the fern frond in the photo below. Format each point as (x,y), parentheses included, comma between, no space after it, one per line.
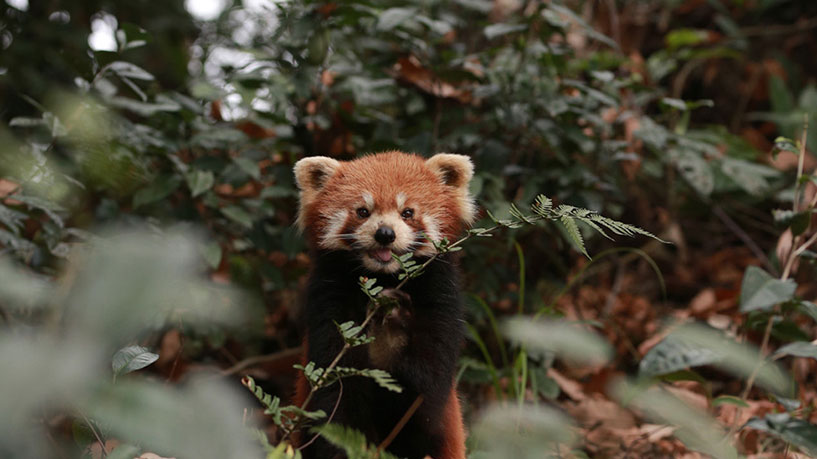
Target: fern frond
(573,232)
(280,415)
(382,378)
(352,441)
(351,334)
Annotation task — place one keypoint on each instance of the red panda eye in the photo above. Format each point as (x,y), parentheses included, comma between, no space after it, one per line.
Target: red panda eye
(363,212)
(408,213)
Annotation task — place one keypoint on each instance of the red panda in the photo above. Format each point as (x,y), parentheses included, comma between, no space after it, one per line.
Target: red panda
(355,215)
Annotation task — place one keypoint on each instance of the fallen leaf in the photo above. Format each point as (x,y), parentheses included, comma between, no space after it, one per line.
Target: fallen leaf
(572,388)
(7,187)
(410,70)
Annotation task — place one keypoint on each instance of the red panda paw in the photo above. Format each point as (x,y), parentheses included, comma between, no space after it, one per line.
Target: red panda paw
(396,310)
(390,328)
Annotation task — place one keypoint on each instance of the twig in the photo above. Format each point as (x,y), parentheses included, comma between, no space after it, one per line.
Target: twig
(401,423)
(248,362)
(780,29)
(744,237)
(96,434)
(331,416)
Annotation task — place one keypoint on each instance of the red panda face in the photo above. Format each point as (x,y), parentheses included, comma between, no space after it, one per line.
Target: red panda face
(384,204)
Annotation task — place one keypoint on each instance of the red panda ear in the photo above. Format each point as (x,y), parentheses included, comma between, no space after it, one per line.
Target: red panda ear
(455,171)
(311,174)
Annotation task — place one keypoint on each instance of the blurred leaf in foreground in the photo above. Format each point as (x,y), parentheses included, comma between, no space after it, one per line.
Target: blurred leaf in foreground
(522,432)
(135,281)
(21,288)
(570,341)
(696,429)
(202,420)
(39,373)
(695,345)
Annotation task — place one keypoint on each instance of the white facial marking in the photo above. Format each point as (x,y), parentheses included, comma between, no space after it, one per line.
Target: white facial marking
(401,200)
(403,240)
(432,232)
(368,199)
(332,238)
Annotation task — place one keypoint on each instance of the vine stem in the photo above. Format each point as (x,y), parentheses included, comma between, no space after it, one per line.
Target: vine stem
(320,382)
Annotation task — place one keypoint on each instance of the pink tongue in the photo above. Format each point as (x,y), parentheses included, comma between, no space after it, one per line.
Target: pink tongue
(383,255)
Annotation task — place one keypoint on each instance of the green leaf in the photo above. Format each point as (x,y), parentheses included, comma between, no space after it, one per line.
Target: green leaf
(686,37)
(683,375)
(795,431)
(249,167)
(752,177)
(567,340)
(238,215)
(382,378)
(48,207)
(695,345)
(677,104)
(586,28)
(23,121)
(199,181)
(694,427)
(694,168)
(393,17)
(351,441)
(786,144)
(351,334)
(156,190)
(671,355)
(780,97)
(574,234)
(497,30)
(522,431)
(808,308)
(200,420)
(798,221)
(145,108)
(20,287)
(798,349)
(132,358)
(762,291)
(128,70)
(729,400)
(211,251)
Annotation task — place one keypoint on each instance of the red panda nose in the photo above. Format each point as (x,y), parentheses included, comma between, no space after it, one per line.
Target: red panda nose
(384,235)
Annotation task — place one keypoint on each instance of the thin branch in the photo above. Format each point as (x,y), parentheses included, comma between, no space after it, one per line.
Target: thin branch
(96,434)
(744,237)
(781,29)
(401,423)
(255,360)
(331,416)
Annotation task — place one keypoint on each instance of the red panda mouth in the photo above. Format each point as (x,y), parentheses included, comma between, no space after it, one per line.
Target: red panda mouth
(381,255)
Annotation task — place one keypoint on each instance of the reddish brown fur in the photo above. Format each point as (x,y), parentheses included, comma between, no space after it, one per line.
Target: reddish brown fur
(454,429)
(384,175)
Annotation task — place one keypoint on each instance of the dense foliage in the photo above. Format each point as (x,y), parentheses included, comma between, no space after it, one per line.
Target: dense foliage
(135,180)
